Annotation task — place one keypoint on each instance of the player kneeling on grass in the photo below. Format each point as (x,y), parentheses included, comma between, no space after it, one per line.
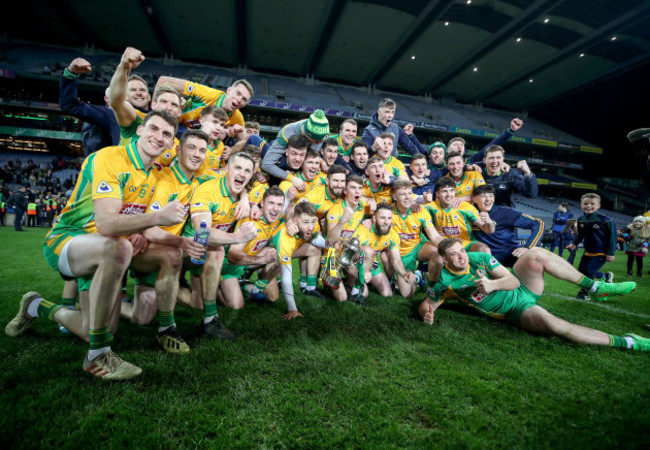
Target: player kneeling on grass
(479,280)
(306,243)
(382,238)
(215,202)
(88,241)
(411,225)
(254,255)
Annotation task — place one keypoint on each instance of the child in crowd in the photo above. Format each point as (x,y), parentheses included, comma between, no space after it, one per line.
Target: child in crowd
(637,236)
(598,232)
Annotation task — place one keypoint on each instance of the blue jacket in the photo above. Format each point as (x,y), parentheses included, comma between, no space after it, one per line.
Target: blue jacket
(504,239)
(598,233)
(100,128)
(434,176)
(560,219)
(506,184)
(374,129)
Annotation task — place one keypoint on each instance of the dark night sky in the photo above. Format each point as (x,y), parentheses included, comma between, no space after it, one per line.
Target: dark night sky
(603,114)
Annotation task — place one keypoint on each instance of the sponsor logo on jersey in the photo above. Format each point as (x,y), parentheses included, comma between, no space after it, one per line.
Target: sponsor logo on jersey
(345,234)
(197,205)
(286,258)
(104,188)
(478,296)
(222,226)
(190,88)
(407,236)
(155,206)
(133,209)
(596,227)
(451,231)
(493,261)
(259,245)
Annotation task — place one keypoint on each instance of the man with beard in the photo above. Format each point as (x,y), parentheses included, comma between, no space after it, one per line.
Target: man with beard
(478,280)
(380,239)
(504,243)
(254,255)
(324,197)
(306,243)
(344,218)
(215,203)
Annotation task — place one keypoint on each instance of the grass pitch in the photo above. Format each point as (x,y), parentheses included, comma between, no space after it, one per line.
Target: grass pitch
(344,376)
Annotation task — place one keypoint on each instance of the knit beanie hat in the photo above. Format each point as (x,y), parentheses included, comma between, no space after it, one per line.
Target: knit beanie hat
(438,144)
(317,127)
(640,219)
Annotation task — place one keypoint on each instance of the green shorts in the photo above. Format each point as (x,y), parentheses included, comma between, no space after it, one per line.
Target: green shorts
(231,270)
(522,299)
(377,268)
(411,258)
(52,247)
(147,279)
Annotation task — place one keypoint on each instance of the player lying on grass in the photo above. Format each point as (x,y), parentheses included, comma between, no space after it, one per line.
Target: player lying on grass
(483,283)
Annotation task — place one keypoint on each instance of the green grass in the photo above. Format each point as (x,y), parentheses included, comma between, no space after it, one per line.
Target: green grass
(343,376)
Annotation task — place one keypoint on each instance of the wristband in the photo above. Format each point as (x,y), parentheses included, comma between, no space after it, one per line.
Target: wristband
(69,75)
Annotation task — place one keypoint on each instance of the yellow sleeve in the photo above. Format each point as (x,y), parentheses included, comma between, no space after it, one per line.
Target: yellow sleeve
(107,167)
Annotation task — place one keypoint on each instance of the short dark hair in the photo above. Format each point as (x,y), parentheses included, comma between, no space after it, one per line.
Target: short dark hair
(383,205)
(401,184)
(298,141)
(312,153)
(357,145)
(444,182)
(418,156)
(212,110)
(273,191)
(336,168)
(444,245)
(164,115)
(483,189)
(305,208)
(353,179)
(330,142)
(453,155)
(193,133)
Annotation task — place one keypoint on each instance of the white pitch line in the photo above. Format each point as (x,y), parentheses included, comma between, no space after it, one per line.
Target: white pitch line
(601,305)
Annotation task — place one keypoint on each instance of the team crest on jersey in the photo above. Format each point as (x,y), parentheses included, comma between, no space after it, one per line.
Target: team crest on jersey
(104,188)
(481,272)
(155,206)
(468,188)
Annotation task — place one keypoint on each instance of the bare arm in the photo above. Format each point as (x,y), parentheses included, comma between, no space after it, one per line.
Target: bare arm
(237,256)
(110,222)
(176,83)
(160,236)
(124,111)
(502,280)
(433,235)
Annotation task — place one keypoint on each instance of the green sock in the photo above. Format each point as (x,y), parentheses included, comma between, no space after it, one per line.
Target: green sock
(261,284)
(303,280)
(586,283)
(47,309)
(100,338)
(166,318)
(209,308)
(311,281)
(68,302)
(616,341)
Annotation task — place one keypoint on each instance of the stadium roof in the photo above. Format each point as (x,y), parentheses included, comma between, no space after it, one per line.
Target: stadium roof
(511,54)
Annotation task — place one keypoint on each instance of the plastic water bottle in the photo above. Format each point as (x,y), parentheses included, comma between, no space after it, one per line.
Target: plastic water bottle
(201,236)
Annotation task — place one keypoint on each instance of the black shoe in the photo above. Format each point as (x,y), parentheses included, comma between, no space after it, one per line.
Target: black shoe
(216,329)
(314,293)
(361,300)
(646,327)
(629,274)
(583,295)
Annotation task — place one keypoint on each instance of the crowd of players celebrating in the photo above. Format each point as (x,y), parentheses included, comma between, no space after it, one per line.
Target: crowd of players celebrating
(443,224)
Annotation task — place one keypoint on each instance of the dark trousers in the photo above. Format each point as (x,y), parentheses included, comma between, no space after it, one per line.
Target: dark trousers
(31,220)
(630,264)
(590,266)
(558,241)
(18,217)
